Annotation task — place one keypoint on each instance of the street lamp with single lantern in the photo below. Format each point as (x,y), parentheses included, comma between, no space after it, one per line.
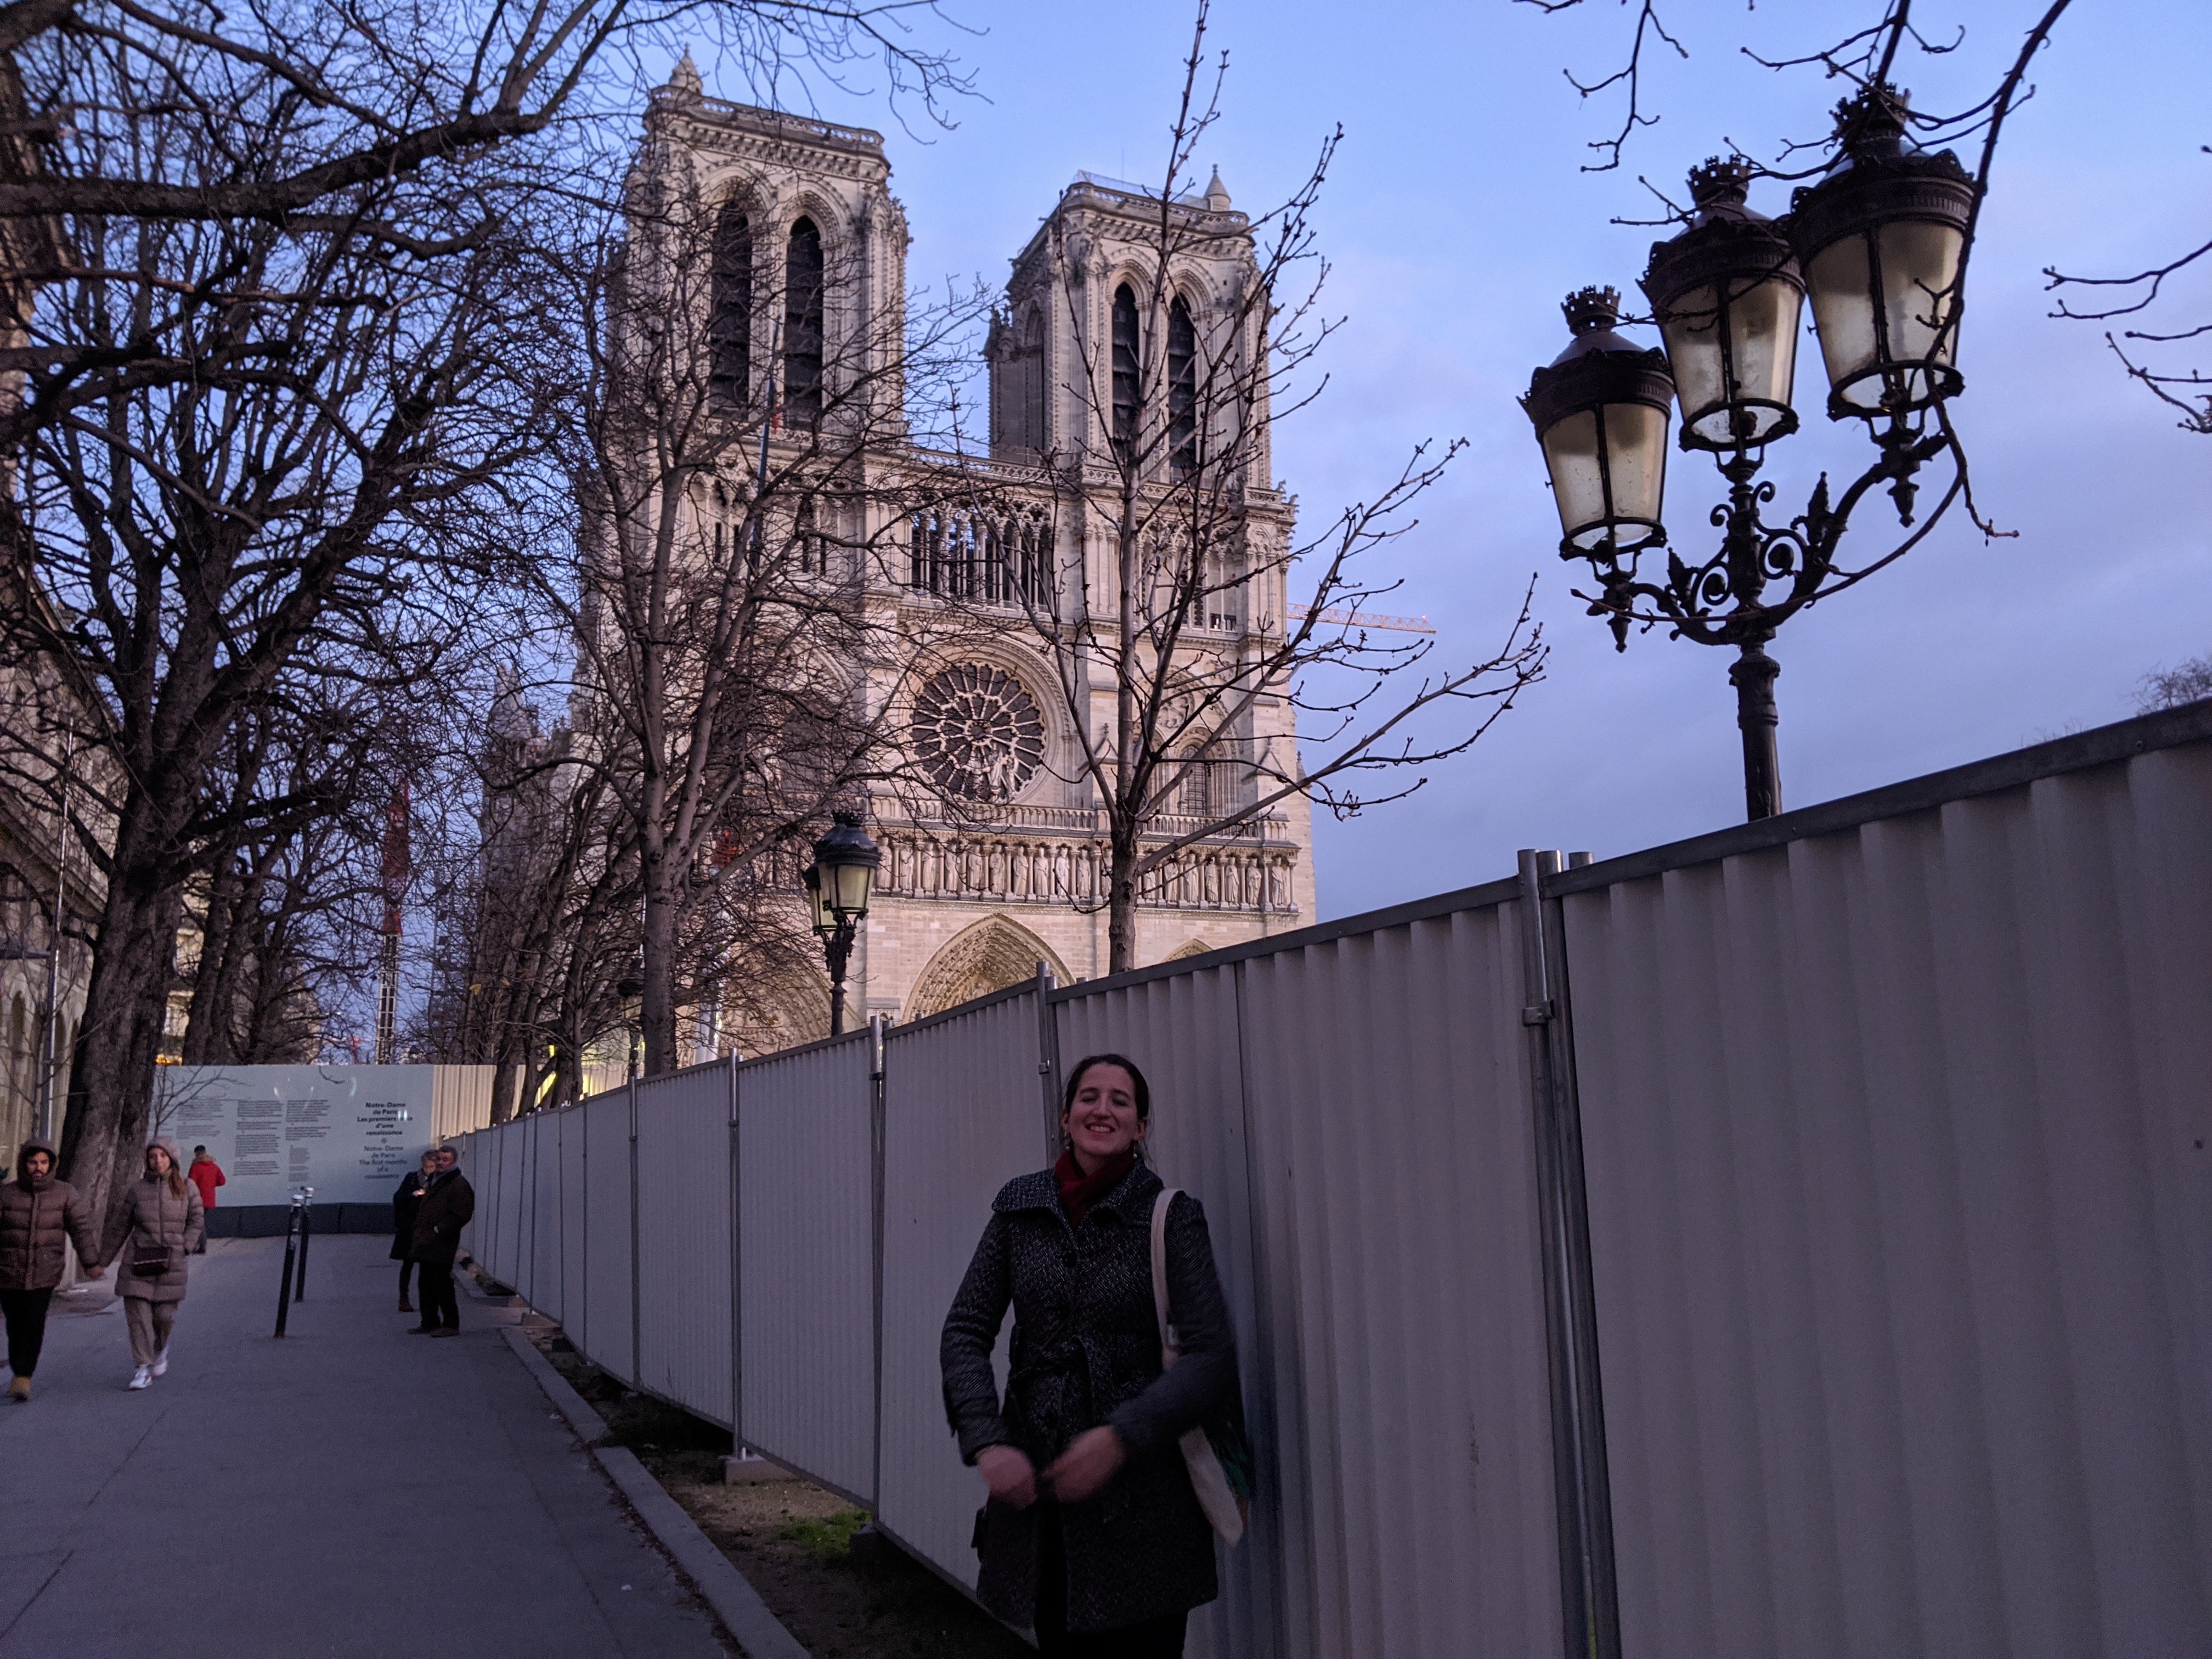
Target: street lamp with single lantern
(839,884)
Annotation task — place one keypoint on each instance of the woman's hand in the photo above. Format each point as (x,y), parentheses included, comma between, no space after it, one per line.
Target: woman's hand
(1009,1474)
(1089,1463)
(100,1272)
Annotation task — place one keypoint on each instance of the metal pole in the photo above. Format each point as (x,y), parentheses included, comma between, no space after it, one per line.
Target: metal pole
(284,1286)
(1753,675)
(1048,1062)
(838,949)
(52,1045)
(737,1271)
(636,1370)
(1589,1603)
(306,1228)
(876,1125)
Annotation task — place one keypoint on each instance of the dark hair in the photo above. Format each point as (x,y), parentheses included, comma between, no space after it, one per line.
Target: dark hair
(196,1150)
(1143,1090)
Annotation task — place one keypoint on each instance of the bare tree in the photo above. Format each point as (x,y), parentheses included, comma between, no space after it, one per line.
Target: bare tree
(1222,697)
(723,421)
(394,120)
(2170,688)
(265,334)
(211,538)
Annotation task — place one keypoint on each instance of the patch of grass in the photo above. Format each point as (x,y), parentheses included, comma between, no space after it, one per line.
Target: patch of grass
(830,1537)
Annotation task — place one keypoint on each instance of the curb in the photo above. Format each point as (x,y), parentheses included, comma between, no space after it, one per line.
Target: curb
(735,1602)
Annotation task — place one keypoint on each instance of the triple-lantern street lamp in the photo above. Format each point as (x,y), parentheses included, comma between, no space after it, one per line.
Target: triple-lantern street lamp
(1878,245)
(838,885)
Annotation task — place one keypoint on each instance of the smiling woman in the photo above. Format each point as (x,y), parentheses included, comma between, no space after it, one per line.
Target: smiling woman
(1092,1533)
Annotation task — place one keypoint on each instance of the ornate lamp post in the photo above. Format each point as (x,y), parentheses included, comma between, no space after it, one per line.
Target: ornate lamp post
(838,885)
(1878,245)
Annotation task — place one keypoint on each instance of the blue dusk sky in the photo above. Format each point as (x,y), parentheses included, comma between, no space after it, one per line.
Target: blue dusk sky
(1457,216)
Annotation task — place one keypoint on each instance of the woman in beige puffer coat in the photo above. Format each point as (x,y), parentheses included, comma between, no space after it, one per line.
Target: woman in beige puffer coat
(162,1223)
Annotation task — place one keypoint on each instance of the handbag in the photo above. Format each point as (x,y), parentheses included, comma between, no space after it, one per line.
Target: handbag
(1217,1453)
(149,1266)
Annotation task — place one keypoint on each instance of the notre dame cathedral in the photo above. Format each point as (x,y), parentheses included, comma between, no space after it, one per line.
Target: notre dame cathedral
(1004,869)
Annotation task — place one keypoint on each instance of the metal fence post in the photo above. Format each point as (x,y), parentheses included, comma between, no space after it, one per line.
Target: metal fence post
(636,1370)
(1049,1063)
(1589,1602)
(876,1219)
(736,1276)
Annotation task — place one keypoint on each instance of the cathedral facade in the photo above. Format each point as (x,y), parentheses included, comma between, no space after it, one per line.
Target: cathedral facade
(993,850)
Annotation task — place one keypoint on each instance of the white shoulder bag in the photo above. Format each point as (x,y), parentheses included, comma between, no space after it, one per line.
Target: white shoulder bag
(1206,1479)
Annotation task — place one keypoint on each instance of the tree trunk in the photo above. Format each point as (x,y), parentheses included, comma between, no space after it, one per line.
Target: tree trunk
(207,1025)
(1121,904)
(110,1094)
(657,1014)
(502,1085)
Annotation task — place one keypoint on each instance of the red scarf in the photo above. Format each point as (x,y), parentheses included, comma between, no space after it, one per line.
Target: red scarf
(1079,1191)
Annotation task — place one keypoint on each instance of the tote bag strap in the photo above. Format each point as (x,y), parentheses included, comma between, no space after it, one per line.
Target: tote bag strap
(1160,1269)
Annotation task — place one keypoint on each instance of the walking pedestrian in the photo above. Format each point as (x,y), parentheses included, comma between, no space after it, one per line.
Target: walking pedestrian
(206,1175)
(1093,1535)
(404,1203)
(38,1211)
(162,1221)
(445,1208)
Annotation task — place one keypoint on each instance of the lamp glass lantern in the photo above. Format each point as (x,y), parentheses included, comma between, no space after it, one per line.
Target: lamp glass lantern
(842,878)
(1882,239)
(1602,411)
(1727,295)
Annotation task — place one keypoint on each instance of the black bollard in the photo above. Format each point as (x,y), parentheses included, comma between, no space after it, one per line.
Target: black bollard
(284,1290)
(307,1227)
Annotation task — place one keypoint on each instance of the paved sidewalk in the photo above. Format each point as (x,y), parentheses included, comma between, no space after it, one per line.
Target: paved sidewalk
(349,1492)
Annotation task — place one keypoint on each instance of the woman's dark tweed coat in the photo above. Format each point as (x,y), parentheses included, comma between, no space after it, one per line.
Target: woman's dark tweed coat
(1086,1351)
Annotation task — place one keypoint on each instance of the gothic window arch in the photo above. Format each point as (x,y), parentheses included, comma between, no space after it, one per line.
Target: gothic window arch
(802,325)
(1128,394)
(730,324)
(1033,382)
(1182,390)
(985,957)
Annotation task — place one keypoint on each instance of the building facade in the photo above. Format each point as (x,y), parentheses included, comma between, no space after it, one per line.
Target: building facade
(995,855)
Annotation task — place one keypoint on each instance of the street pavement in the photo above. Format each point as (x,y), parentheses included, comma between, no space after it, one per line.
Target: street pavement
(347,1490)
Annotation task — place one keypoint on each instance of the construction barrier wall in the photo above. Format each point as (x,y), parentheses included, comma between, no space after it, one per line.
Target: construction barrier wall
(1797,1241)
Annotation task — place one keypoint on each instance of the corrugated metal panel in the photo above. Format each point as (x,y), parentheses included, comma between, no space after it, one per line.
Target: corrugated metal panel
(683,1239)
(460,1100)
(1401,1327)
(513,1178)
(808,1208)
(607,1342)
(576,1231)
(1902,1227)
(545,1287)
(962,1115)
(1183,1033)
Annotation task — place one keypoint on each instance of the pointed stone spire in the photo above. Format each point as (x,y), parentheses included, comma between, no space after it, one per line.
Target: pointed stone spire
(1216,194)
(684,82)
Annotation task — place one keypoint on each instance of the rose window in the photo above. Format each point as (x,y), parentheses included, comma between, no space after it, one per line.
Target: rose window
(977,732)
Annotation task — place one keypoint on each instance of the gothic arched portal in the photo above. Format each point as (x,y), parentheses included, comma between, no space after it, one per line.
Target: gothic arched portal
(989,956)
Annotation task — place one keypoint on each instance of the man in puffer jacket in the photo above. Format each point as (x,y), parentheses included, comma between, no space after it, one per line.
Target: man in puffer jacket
(38,1211)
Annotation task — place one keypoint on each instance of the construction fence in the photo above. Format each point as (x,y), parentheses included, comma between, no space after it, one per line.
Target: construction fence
(1797,1241)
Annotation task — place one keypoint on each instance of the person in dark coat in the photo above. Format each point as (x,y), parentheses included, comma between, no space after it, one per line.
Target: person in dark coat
(405,1202)
(39,1211)
(1092,1535)
(445,1208)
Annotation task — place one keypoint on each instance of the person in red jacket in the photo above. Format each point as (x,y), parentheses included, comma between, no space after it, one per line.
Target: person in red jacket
(206,1175)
